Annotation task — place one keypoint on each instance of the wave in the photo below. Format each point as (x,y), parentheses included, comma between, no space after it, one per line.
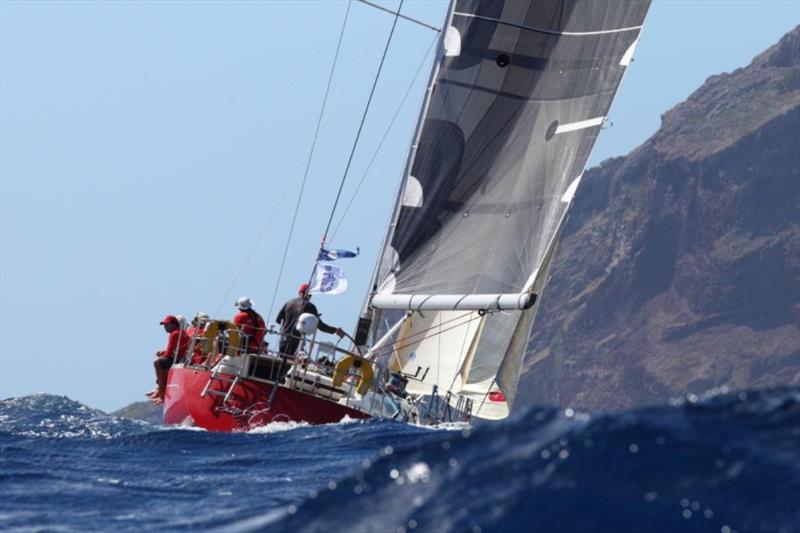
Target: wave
(722,462)
(66,466)
(51,416)
(727,462)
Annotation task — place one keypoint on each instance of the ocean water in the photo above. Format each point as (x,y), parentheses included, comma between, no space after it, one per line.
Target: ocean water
(727,462)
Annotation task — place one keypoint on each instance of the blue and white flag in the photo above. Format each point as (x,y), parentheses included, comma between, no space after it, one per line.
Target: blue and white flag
(328,279)
(333,255)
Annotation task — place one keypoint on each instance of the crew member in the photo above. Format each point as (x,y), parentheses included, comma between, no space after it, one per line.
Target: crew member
(288,315)
(177,346)
(251,325)
(195,332)
(198,325)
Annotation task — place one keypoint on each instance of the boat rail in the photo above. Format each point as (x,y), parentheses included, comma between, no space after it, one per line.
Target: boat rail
(318,368)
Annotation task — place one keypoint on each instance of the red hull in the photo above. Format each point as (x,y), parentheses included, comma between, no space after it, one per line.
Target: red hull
(247,406)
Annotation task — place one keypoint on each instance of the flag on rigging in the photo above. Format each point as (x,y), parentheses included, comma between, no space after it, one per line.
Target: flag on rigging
(333,255)
(328,279)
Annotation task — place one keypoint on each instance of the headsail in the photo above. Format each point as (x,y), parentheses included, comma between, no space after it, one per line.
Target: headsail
(516,102)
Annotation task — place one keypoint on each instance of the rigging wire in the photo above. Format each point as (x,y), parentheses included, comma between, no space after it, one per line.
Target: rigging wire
(295,175)
(254,247)
(486,395)
(408,339)
(356,68)
(310,157)
(358,136)
(383,139)
(405,17)
(396,349)
(463,344)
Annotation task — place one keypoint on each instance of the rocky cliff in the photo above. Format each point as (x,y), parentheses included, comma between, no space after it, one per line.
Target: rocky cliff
(679,268)
(145,411)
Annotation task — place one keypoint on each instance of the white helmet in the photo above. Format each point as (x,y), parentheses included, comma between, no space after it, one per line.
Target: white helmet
(244,303)
(307,324)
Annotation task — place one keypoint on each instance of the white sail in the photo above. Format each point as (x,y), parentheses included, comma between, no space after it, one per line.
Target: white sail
(432,348)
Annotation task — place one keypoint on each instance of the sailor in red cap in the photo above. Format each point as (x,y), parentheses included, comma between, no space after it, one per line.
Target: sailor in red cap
(177,346)
(288,315)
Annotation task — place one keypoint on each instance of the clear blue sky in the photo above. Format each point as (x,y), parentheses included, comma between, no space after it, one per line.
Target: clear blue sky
(145,145)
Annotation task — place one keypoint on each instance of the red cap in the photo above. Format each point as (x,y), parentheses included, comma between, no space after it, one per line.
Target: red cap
(303,288)
(168,319)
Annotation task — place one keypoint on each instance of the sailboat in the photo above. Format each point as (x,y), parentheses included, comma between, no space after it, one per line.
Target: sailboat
(518,94)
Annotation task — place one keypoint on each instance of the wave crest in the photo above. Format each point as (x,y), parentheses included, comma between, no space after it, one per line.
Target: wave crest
(52,416)
(702,464)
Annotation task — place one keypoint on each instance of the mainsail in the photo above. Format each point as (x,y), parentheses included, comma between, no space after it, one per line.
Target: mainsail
(517,98)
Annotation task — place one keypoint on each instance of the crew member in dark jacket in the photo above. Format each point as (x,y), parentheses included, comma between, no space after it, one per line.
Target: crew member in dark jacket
(287,318)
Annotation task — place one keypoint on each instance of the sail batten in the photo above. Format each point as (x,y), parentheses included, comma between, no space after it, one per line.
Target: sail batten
(581,124)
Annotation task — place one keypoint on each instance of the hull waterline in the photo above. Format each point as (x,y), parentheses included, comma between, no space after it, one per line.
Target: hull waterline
(247,405)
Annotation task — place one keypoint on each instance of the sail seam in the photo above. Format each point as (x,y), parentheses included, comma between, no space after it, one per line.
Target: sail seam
(542,30)
(507,94)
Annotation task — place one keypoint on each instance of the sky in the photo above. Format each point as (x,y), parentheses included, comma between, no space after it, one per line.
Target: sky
(151,156)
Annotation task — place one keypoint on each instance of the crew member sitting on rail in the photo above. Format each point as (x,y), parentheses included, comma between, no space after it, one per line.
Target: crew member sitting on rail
(177,345)
(287,318)
(251,324)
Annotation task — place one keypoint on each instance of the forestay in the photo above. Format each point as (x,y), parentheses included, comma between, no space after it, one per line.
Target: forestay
(517,99)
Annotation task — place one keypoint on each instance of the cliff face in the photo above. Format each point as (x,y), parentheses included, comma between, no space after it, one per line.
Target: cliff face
(679,268)
(145,411)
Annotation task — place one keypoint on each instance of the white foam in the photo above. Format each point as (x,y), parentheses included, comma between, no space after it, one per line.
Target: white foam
(446,426)
(277,427)
(180,428)
(346,420)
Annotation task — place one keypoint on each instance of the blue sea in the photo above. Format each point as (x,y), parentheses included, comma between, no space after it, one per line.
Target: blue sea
(722,463)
